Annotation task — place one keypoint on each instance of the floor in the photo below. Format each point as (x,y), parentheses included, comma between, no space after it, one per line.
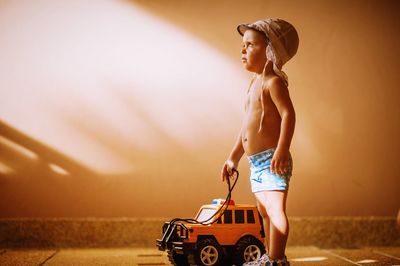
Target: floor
(150,256)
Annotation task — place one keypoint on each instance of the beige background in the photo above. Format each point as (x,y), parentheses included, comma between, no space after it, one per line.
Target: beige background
(129,108)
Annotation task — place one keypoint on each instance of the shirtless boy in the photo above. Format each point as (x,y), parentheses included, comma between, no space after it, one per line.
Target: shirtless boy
(267,128)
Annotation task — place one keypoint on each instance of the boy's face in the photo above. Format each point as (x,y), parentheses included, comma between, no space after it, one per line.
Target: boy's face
(253,51)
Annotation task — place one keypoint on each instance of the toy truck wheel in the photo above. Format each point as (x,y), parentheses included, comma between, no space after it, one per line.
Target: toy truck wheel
(208,253)
(177,259)
(248,249)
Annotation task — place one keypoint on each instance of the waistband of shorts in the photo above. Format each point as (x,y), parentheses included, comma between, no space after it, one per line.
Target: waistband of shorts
(259,154)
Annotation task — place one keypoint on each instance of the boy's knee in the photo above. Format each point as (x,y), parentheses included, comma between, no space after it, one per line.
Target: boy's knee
(274,211)
(270,209)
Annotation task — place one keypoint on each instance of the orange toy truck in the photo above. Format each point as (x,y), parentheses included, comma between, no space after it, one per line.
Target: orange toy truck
(233,238)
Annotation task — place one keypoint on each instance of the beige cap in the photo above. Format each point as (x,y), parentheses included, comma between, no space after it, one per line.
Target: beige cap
(283,41)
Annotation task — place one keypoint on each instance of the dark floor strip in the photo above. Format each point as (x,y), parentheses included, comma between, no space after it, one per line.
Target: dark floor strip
(49,258)
(2,251)
(149,255)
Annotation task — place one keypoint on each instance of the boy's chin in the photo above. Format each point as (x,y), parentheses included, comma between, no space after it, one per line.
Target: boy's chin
(247,67)
(250,69)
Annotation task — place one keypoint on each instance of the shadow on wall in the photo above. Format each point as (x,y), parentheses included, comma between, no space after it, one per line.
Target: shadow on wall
(39,181)
(35,178)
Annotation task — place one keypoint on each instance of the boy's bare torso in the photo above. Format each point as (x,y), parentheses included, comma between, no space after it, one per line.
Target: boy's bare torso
(259,136)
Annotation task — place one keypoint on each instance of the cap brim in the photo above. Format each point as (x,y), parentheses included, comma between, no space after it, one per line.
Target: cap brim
(242,28)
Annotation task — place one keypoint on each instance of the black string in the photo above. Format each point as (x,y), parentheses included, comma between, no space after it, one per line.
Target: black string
(225,205)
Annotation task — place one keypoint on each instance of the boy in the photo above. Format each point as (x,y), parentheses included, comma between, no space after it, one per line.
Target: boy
(267,128)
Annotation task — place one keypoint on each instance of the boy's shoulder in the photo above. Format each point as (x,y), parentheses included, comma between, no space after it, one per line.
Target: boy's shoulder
(274,82)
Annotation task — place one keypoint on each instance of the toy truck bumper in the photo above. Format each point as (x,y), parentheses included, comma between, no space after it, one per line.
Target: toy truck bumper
(182,248)
(179,247)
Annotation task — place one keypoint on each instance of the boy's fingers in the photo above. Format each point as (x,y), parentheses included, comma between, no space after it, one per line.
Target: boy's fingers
(273,166)
(232,174)
(223,173)
(285,167)
(229,170)
(281,167)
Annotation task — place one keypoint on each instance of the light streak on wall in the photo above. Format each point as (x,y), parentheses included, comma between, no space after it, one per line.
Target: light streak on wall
(70,72)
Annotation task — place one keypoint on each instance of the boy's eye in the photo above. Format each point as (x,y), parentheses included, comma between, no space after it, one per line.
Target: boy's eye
(247,45)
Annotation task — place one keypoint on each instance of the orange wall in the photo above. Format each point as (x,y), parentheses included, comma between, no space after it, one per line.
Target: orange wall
(129,108)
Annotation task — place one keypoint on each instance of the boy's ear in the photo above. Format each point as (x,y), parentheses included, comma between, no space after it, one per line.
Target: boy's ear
(269,53)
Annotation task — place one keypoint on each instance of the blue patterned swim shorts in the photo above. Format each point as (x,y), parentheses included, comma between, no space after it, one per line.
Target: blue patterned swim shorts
(261,177)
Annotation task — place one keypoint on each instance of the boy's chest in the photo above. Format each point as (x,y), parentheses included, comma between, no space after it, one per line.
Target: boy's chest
(255,95)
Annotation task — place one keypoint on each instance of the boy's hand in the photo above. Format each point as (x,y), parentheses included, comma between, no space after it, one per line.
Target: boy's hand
(227,169)
(280,162)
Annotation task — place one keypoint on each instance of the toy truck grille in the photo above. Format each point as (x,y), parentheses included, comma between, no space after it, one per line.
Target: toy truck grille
(172,233)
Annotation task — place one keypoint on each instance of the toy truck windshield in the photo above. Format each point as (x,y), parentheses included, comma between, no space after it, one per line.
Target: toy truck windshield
(205,215)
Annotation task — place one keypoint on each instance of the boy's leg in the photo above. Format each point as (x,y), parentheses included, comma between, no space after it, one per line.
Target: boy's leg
(265,217)
(274,202)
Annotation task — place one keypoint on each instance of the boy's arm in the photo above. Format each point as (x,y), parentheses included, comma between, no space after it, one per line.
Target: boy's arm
(237,151)
(233,159)
(280,96)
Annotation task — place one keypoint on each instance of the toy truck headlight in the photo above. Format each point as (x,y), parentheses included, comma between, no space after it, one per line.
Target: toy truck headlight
(182,231)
